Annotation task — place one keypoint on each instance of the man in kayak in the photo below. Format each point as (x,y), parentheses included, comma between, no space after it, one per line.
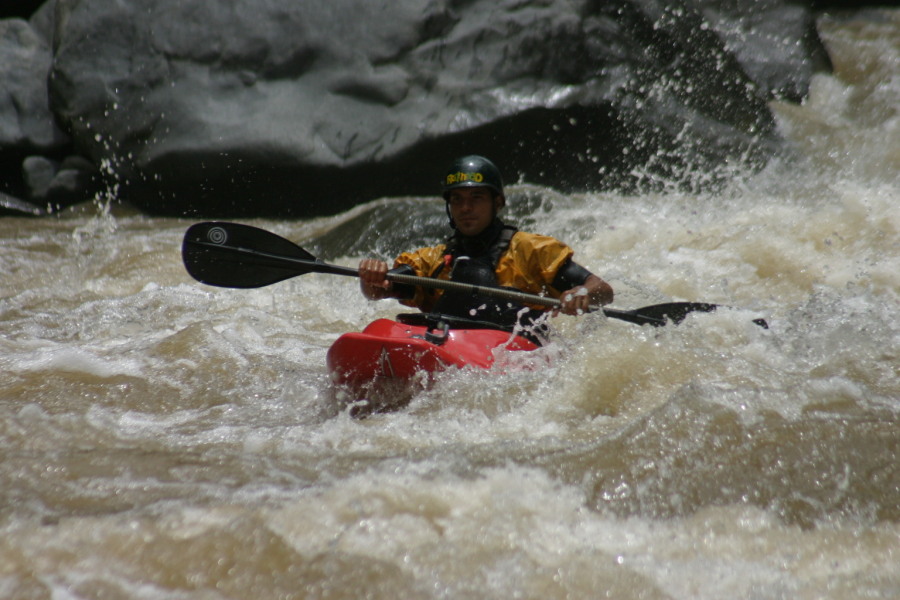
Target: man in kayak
(485,251)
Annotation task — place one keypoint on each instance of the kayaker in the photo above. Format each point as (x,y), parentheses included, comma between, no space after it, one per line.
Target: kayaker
(485,251)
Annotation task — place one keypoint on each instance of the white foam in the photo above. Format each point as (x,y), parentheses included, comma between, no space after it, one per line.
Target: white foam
(77,360)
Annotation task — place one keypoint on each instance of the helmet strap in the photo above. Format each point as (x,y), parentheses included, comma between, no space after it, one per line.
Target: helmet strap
(447,208)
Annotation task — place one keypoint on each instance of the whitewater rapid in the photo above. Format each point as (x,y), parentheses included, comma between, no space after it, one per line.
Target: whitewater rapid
(164,439)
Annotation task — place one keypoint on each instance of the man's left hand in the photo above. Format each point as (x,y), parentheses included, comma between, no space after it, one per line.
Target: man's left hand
(579,299)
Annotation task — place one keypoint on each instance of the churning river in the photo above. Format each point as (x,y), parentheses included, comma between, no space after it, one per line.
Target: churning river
(164,439)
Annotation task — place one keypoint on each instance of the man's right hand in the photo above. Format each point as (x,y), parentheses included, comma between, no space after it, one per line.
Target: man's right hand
(373,278)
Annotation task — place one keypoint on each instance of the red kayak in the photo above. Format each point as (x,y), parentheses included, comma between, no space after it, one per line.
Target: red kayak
(391,352)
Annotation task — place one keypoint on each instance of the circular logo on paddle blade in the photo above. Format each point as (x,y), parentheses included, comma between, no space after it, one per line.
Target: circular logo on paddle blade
(217,235)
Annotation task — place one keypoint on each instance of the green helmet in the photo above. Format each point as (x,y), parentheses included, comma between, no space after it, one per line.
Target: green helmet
(472,171)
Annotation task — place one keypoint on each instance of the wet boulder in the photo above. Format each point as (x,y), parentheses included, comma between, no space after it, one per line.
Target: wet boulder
(297,109)
(26,124)
(25,117)
(41,171)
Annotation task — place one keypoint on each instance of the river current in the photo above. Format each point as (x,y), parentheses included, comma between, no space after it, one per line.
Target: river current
(164,439)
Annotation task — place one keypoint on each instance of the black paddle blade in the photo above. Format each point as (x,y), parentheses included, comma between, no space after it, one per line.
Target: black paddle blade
(676,312)
(240,256)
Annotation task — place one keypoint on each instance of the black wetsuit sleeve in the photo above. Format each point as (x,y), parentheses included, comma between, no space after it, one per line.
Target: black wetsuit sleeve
(571,274)
(403,291)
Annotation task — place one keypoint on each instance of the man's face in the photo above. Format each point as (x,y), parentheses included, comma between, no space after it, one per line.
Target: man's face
(472,209)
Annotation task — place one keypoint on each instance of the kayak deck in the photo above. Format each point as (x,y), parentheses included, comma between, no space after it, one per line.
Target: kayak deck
(394,352)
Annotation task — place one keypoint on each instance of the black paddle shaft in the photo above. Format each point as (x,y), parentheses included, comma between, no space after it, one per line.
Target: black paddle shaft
(241,256)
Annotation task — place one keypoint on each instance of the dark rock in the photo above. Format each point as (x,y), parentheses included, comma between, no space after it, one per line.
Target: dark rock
(77,180)
(27,127)
(12,206)
(43,20)
(19,8)
(293,109)
(25,118)
(847,4)
(775,42)
(38,173)
(58,185)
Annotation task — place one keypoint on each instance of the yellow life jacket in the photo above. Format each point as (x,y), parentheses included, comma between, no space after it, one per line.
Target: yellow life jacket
(529,264)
